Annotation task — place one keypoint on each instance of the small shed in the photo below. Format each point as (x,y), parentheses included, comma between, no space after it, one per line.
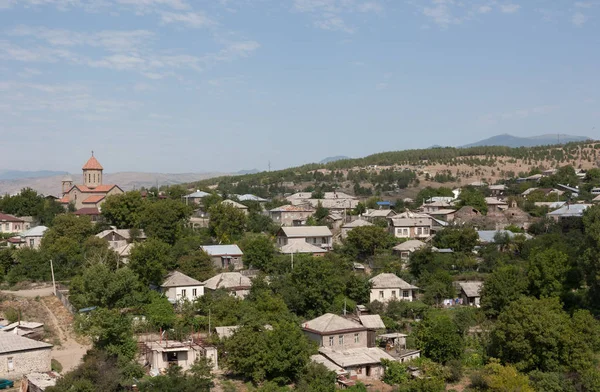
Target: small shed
(470,292)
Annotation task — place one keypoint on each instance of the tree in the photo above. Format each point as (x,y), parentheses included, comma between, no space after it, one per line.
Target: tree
(151,260)
(504,286)
(439,338)
(259,251)
(394,372)
(124,210)
(366,240)
(159,312)
(316,378)
(457,239)
(259,354)
(110,331)
(99,286)
(198,265)
(176,381)
(470,196)
(506,379)
(164,219)
(437,286)
(68,225)
(259,223)
(538,334)
(547,272)
(226,222)
(320,214)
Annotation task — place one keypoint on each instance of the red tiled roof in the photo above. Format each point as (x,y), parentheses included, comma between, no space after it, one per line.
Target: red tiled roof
(64,200)
(87,211)
(9,218)
(99,189)
(93,199)
(92,164)
(15,240)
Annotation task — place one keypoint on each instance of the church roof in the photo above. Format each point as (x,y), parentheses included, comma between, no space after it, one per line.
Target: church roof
(94,199)
(99,189)
(92,164)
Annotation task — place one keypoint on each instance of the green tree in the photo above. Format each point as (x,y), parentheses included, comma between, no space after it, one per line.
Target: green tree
(470,196)
(198,265)
(259,223)
(364,241)
(437,286)
(99,286)
(68,225)
(151,260)
(259,251)
(504,286)
(506,379)
(316,378)
(226,223)
(124,210)
(457,239)
(110,331)
(164,219)
(320,214)
(159,312)
(546,271)
(394,372)
(259,354)
(439,338)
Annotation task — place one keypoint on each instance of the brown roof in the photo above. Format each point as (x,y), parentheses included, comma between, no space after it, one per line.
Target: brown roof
(92,164)
(99,189)
(87,211)
(64,200)
(290,208)
(93,199)
(9,218)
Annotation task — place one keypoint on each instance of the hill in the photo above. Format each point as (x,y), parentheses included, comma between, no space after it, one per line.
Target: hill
(389,173)
(516,141)
(126,180)
(334,159)
(17,174)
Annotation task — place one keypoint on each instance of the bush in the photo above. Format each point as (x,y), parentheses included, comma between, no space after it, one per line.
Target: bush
(478,380)
(455,370)
(56,366)
(11,314)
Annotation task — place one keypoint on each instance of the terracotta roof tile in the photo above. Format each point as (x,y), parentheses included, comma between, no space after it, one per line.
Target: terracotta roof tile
(87,211)
(9,218)
(92,164)
(93,199)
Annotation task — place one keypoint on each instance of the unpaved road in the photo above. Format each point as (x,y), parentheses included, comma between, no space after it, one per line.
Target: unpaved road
(70,352)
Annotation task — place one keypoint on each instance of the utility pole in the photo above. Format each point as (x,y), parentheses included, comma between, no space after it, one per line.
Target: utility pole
(292,261)
(209,322)
(269,165)
(53,282)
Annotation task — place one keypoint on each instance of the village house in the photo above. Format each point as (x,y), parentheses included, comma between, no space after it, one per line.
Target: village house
(498,190)
(122,241)
(346,228)
(31,238)
(495,204)
(395,345)
(334,220)
(407,248)
(179,287)
(568,211)
(225,256)
(20,355)
(305,196)
(92,193)
(319,236)
(435,206)
(237,205)
(343,346)
(235,283)
(290,215)
(389,287)
(415,227)
(300,247)
(470,292)
(160,355)
(373,215)
(446,215)
(195,197)
(11,224)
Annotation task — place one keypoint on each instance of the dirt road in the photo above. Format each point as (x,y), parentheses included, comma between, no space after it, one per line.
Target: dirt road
(39,292)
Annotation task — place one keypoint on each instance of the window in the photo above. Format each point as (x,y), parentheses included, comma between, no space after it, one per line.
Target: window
(381,294)
(393,293)
(31,242)
(405,293)
(194,293)
(331,340)
(10,364)
(341,340)
(356,338)
(183,293)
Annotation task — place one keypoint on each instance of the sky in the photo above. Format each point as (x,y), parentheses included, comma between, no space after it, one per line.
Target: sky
(223,85)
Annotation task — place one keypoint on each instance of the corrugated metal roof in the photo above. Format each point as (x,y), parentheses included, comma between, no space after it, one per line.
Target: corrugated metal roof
(197,195)
(300,247)
(570,210)
(222,250)
(372,321)
(177,279)
(228,280)
(348,357)
(37,231)
(306,231)
(10,342)
(357,223)
(329,323)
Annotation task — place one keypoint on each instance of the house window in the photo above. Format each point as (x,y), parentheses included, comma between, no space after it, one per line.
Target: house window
(381,294)
(194,293)
(341,340)
(10,364)
(405,294)
(331,340)
(183,293)
(356,338)
(31,242)
(393,293)
(6,227)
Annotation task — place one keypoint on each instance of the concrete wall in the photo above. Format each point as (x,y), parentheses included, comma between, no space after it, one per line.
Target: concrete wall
(236,261)
(185,359)
(25,362)
(184,293)
(349,339)
(372,372)
(288,218)
(412,232)
(388,295)
(12,227)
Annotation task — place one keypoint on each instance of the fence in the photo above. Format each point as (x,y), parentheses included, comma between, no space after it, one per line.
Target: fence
(62,293)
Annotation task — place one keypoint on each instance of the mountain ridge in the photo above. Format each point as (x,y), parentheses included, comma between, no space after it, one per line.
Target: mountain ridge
(508,140)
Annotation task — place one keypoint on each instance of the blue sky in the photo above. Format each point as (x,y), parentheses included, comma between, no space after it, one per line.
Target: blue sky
(224,85)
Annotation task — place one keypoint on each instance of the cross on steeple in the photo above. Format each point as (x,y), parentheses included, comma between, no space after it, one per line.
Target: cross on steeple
(92,152)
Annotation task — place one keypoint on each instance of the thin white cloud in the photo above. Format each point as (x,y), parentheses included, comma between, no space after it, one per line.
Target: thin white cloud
(509,8)
(332,15)
(584,4)
(152,4)
(189,19)
(484,9)
(333,23)
(518,114)
(579,19)
(370,6)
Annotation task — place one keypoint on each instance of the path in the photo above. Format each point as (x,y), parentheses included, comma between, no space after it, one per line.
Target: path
(69,353)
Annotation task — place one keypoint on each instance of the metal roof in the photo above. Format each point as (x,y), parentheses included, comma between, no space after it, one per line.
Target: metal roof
(349,357)
(570,210)
(197,195)
(10,342)
(177,279)
(37,231)
(372,321)
(235,204)
(471,289)
(391,281)
(228,280)
(410,245)
(306,231)
(300,247)
(356,223)
(250,197)
(330,323)
(488,236)
(222,250)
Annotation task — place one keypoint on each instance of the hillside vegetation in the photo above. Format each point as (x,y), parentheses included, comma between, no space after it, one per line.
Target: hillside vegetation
(394,170)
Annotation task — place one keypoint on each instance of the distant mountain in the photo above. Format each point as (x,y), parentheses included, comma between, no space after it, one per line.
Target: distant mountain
(251,171)
(17,174)
(515,141)
(333,159)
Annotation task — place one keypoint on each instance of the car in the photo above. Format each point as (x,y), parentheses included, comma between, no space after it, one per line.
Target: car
(5,384)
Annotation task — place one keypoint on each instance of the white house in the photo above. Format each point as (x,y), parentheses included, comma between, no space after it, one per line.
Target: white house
(389,287)
(356,223)
(11,224)
(319,236)
(179,287)
(162,354)
(406,248)
(225,256)
(20,355)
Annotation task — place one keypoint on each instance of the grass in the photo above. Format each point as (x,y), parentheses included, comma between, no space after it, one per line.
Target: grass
(56,366)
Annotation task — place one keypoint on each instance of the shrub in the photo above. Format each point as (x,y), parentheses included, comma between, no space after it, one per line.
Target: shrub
(56,366)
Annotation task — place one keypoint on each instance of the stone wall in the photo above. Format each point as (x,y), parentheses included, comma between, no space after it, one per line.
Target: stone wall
(25,362)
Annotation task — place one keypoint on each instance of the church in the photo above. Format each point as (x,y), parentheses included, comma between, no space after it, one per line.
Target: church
(88,197)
